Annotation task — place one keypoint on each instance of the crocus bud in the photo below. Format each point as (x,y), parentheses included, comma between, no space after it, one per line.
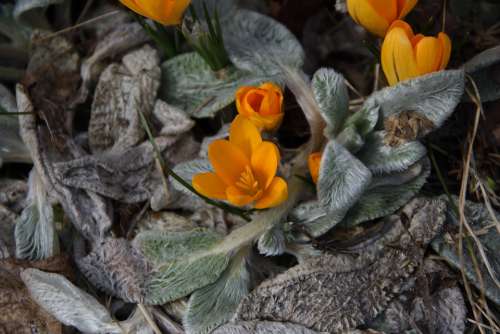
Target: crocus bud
(314,162)
(377,15)
(167,12)
(262,105)
(406,56)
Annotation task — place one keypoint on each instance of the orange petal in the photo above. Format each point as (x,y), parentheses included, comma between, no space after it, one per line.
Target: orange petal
(314,162)
(241,103)
(227,160)
(398,60)
(273,100)
(237,197)
(131,4)
(274,195)
(264,163)
(210,185)
(177,9)
(386,8)
(363,13)
(405,26)
(428,54)
(405,6)
(245,135)
(446,46)
(268,122)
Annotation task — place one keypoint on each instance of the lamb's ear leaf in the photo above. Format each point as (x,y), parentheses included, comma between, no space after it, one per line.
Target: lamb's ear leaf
(332,97)
(388,193)
(433,96)
(215,304)
(364,120)
(35,232)
(272,242)
(350,139)
(189,84)
(484,69)
(260,44)
(342,181)
(160,247)
(68,303)
(184,262)
(381,158)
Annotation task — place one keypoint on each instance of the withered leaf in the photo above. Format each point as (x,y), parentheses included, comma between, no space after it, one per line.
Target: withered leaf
(89,212)
(431,303)
(336,292)
(405,127)
(124,90)
(117,268)
(126,175)
(262,327)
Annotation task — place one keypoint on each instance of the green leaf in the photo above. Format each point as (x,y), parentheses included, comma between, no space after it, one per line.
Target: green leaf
(381,158)
(215,304)
(388,194)
(434,96)
(364,120)
(160,247)
(272,242)
(350,139)
(184,262)
(485,70)
(189,84)
(259,44)
(35,233)
(342,181)
(332,97)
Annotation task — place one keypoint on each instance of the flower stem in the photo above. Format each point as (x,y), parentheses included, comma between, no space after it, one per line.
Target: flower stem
(159,35)
(224,206)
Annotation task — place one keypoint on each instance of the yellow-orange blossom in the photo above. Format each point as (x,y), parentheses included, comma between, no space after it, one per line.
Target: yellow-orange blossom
(314,163)
(377,15)
(262,105)
(167,12)
(405,55)
(245,169)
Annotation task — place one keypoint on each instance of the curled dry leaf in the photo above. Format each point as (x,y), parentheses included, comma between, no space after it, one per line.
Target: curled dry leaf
(263,327)
(7,225)
(124,91)
(117,268)
(13,193)
(51,92)
(335,292)
(431,303)
(122,37)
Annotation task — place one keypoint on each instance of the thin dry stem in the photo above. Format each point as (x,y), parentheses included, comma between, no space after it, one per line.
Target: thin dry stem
(149,319)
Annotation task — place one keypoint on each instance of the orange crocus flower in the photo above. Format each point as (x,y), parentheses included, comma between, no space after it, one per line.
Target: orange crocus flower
(245,169)
(314,163)
(166,12)
(376,16)
(262,105)
(406,56)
